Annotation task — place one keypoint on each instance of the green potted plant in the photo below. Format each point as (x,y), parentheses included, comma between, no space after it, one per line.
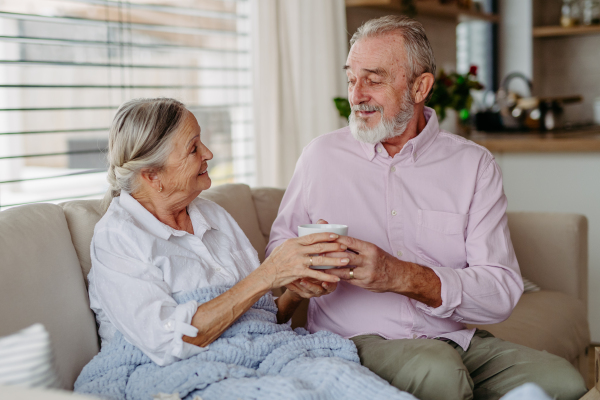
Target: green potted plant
(453,91)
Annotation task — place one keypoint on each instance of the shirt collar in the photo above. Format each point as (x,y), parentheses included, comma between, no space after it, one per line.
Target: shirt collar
(154,226)
(415,146)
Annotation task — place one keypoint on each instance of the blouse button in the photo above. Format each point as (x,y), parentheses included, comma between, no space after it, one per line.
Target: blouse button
(218,269)
(393,169)
(399,253)
(169,325)
(379,149)
(393,212)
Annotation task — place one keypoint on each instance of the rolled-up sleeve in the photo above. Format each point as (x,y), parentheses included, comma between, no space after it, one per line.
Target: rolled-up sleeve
(137,300)
(487,290)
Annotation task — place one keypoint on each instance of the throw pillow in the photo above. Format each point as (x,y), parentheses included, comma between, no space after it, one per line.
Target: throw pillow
(26,359)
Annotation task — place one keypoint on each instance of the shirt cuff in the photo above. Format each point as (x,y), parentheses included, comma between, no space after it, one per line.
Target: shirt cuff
(180,324)
(451,294)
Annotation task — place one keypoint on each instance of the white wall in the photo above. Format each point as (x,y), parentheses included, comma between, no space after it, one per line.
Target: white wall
(564,182)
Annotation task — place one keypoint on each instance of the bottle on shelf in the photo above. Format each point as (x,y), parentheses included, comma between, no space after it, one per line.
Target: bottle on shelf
(590,12)
(570,13)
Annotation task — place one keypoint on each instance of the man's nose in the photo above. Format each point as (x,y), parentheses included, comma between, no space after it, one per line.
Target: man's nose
(357,94)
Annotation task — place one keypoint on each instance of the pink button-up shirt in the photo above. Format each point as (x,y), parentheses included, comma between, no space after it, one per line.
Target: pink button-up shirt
(439,202)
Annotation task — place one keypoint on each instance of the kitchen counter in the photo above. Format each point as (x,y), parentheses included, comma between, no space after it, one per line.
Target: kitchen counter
(580,140)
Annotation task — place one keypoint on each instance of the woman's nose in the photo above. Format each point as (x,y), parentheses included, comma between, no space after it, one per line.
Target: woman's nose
(207,154)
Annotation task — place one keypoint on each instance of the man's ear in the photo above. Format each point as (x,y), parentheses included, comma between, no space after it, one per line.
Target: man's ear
(150,176)
(422,86)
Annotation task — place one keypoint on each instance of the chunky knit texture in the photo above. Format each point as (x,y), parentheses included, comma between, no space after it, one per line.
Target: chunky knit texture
(255,358)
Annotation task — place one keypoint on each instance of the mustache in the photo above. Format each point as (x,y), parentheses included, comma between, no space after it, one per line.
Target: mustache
(366,107)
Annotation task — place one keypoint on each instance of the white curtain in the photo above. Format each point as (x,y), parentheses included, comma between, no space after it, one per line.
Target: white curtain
(299,49)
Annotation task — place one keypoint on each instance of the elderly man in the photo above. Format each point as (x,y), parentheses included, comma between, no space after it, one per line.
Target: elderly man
(427,226)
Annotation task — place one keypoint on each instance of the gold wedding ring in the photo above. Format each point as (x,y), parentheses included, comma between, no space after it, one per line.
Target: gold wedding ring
(311,264)
(352,273)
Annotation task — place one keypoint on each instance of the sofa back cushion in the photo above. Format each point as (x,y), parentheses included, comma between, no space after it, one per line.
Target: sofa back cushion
(552,249)
(236,199)
(82,216)
(266,202)
(41,282)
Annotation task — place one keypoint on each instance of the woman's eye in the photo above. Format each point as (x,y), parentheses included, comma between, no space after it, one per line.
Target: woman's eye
(194,149)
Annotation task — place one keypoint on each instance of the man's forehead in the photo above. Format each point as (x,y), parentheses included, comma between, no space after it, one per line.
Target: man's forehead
(381,54)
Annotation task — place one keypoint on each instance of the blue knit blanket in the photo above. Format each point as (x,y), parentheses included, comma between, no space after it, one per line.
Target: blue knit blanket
(255,358)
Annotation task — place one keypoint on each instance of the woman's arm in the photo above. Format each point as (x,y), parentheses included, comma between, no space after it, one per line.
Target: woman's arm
(288,263)
(214,317)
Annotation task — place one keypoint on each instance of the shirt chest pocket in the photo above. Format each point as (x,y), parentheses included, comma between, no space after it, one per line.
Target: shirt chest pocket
(441,238)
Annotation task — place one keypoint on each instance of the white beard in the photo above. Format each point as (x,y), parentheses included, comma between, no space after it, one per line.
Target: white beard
(385,129)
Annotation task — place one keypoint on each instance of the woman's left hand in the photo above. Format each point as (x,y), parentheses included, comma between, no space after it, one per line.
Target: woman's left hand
(308,287)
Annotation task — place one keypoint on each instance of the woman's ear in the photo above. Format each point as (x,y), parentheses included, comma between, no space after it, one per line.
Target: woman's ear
(151,178)
(422,87)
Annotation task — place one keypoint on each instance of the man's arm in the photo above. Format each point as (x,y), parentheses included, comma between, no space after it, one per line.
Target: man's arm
(484,292)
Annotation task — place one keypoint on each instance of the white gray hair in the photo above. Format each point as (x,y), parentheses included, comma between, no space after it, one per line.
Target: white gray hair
(419,54)
(140,137)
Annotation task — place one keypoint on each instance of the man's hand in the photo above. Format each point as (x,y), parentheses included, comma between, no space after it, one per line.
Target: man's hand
(379,272)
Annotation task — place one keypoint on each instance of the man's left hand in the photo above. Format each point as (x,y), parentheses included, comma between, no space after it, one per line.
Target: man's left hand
(379,271)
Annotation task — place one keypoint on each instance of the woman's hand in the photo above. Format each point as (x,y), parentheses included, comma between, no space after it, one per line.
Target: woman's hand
(307,287)
(298,291)
(291,261)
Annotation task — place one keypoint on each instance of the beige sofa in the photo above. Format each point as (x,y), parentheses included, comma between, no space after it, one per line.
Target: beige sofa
(44,259)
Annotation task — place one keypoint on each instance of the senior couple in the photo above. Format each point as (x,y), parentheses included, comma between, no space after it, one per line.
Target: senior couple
(429,248)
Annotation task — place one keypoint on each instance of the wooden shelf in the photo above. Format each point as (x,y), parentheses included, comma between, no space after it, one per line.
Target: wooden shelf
(554,31)
(430,8)
(584,140)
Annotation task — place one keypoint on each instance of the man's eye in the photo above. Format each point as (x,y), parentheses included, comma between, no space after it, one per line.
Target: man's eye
(194,149)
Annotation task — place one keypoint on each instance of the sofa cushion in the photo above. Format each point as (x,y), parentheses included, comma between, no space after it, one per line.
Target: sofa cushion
(546,320)
(236,199)
(552,249)
(42,282)
(266,202)
(82,216)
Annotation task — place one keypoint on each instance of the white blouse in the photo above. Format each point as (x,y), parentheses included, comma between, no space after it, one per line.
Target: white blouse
(138,263)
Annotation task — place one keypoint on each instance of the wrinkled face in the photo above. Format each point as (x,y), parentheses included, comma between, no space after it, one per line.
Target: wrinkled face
(186,171)
(378,88)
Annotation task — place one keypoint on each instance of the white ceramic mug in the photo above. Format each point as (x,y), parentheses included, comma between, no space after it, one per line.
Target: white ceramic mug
(309,229)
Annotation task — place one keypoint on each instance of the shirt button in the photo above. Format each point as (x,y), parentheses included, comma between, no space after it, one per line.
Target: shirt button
(393,212)
(379,149)
(393,169)
(218,269)
(169,325)
(399,253)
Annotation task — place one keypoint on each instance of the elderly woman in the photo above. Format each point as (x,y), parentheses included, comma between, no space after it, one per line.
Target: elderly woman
(175,283)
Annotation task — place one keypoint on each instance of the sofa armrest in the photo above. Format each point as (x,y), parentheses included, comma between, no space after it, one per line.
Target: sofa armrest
(552,249)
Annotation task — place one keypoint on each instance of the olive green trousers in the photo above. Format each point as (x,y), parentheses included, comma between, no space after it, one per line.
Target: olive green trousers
(433,369)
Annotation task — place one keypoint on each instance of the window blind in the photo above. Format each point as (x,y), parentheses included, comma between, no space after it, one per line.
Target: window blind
(66,66)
